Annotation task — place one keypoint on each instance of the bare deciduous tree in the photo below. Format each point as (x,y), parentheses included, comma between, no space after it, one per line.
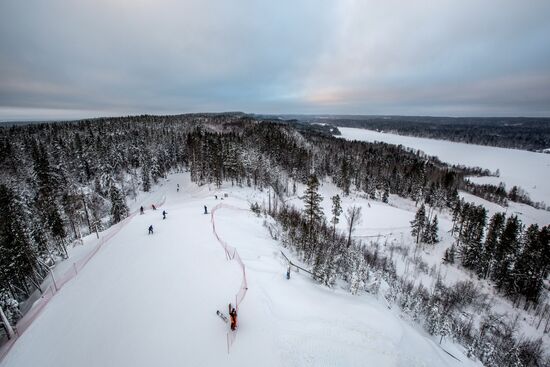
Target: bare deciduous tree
(353,218)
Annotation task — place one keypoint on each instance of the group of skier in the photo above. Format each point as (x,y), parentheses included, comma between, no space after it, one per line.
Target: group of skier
(232,310)
(142,210)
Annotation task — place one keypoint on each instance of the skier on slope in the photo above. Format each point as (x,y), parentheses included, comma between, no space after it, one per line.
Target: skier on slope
(205,210)
(153,206)
(164,214)
(233,315)
(151,229)
(178,189)
(141,210)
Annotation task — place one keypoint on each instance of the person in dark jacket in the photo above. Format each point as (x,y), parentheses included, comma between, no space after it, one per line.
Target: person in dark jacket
(205,210)
(151,229)
(164,214)
(141,210)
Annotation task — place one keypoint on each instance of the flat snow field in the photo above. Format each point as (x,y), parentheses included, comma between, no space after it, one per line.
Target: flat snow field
(529,170)
(151,300)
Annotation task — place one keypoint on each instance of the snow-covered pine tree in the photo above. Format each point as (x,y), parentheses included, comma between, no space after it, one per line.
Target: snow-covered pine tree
(325,269)
(386,193)
(336,211)
(155,169)
(457,211)
(145,178)
(344,180)
(119,209)
(48,187)
(506,253)
(313,214)
(418,224)
(531,268)
(434,228)
(487,260)
(10,307)
(449,256)
(433,320)
(471,237)
(358,271)
(312,202)
(18,258)
(429,235)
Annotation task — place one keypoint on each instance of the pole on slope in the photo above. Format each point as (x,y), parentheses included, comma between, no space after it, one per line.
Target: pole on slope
(7,325)
(296,266)
(53,279)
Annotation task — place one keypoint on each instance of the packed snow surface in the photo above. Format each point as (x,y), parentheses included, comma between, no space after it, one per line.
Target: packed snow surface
(529,170)
(151,300)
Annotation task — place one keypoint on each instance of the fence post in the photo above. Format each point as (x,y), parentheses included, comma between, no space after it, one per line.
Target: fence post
(54,282)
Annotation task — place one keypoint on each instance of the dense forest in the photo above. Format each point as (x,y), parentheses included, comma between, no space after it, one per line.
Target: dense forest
(63,180)
(507,132)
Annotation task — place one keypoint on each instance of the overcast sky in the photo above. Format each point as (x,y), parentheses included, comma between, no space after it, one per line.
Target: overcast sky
(69,59)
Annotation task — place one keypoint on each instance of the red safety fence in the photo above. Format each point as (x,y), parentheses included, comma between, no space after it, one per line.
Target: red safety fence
(231,253)
(57,282)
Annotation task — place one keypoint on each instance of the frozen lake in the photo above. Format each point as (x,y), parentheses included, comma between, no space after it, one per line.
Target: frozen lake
(529,170)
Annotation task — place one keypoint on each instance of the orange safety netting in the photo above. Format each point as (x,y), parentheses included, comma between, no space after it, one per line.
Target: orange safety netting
(59,281)
(231,253)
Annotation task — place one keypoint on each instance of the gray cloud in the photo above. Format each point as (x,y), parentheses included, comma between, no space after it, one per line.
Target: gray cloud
(466,57)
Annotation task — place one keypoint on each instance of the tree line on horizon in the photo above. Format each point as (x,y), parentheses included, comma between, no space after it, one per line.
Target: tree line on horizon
(527,133)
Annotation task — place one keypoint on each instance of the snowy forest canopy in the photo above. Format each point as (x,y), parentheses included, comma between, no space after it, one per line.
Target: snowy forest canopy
(63,180)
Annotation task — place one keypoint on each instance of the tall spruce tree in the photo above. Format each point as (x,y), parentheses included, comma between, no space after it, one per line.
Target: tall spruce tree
(432,237)
(506,253)
(487,260)
(145,178)
(313,213)
(336,211)
(471,236)
(312,202)
(119,209)
(530,270)
(418,224)
(19,265)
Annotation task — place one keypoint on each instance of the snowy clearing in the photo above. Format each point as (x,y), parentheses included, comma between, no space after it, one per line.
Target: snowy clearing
(152,299)
(529,170)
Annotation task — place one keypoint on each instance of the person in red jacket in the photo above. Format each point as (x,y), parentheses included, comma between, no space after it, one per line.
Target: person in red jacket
(233,315)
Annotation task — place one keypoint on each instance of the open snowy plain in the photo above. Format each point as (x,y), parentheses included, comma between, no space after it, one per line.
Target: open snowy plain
(529,170)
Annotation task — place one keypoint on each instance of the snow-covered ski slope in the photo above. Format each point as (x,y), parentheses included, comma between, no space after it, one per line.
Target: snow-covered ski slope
(151,300)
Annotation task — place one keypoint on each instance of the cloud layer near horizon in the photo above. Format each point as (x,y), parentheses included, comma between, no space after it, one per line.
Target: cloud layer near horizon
(63,58)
